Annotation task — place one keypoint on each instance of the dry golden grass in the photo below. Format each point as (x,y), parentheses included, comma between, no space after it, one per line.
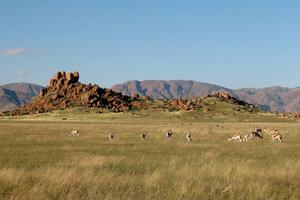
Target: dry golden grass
(39,161)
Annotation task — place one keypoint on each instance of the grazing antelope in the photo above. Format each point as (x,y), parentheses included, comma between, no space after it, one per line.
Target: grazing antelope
(259,130)
(247,137)
(111,137)
(143,136)
(169,135)
(256,135)
(189,137)
(274,134)
(235,138)
(74,133)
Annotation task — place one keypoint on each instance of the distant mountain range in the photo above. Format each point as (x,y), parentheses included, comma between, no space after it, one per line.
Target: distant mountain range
(273,98)
(15,94)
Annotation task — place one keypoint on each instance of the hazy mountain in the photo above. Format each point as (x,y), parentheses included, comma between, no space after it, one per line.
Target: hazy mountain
(272,98)
(168,89)
(16,94)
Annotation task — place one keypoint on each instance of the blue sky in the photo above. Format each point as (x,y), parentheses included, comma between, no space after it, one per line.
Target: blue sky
(234,43)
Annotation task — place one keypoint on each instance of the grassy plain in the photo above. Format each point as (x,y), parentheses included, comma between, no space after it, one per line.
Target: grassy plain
(39,161)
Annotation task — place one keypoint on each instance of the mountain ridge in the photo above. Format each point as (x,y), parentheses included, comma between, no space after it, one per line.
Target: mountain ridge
(275,98)
(13,95)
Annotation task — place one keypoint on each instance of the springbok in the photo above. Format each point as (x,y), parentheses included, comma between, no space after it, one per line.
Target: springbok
(169,135)
(247,137)
(74,133)
(235,138)
(111,137)
(259,130)
(143,136)
(189,137)
(274,134)
(256,134)
(277,136)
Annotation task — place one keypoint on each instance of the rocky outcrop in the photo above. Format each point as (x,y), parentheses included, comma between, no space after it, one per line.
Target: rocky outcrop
(64,90)
(228,98)
(198,103)
(186,104)
(224,96)
(295,115)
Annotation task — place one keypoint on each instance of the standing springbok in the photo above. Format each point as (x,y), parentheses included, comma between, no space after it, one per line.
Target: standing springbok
(110,136)
(189,137)
(257,135)
(143,136)
(259,130)
(274,134)
(74,133)
(169,135)
(235,138)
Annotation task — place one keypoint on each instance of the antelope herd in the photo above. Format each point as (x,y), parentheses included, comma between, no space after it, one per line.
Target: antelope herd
(258,135)
(275,135)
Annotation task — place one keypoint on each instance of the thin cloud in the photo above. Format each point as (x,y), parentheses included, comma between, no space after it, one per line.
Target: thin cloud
(15,52)
(20,72)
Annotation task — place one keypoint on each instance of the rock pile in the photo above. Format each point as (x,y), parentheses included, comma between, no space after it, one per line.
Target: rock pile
(197,103)
(64,90)
(295,115)
(224,96)
(186,104)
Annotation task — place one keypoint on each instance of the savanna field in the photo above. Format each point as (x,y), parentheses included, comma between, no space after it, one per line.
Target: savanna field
(150,100)
(38,160)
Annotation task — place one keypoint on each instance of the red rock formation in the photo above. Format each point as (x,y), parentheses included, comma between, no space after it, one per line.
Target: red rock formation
(64,91)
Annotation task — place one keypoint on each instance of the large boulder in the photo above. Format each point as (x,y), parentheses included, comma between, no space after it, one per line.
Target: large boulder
(72,77)
(76,76)
(63,73)
(57,76)
(69,77)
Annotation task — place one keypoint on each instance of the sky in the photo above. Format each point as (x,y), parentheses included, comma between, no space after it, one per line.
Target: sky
(233,43)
